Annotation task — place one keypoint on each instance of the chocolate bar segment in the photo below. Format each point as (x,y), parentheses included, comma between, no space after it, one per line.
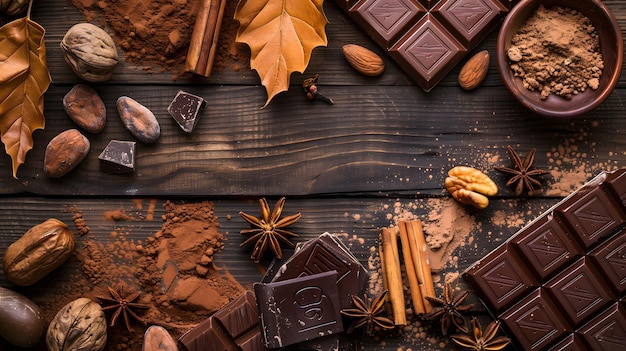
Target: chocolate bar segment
(118,157)
(298,309)
(535,321)
(427,38)
(503,278)
(186,109)
(234,327)
(576,251)
(326,253)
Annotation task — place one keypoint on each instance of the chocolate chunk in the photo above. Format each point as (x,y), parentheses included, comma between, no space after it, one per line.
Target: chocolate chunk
(118,157)
(234,327)
(427,38)
(186,110)
(324,254)
(559,283)
(298,309)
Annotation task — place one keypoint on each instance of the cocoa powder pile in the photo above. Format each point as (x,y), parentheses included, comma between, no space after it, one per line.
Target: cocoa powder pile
(155,35)
(557,51)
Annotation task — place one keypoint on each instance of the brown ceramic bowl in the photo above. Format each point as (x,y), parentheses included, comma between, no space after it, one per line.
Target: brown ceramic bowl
(611,46)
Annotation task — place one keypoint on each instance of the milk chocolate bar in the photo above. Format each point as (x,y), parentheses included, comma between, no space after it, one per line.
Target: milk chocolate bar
(427,38)
(560,282)
(298,309)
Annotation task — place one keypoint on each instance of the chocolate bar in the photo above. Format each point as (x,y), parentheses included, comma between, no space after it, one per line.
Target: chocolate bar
(186,110)
(324,254)
(118,157)
(560,282)
(427,38)
(298,309)
(234,327)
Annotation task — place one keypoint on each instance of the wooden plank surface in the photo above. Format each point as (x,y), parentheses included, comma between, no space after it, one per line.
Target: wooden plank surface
(384,146)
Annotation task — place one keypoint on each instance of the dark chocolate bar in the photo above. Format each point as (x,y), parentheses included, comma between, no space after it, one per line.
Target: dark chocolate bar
(427,38)
(118,157)
(234,327)
(324,254)
(186,110)
(560,282)
(298,309)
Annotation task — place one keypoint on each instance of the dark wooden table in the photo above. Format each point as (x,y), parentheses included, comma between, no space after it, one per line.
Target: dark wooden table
(384,145)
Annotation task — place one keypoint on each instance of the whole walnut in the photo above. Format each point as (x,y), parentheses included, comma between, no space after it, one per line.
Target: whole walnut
(78,326)
(13,7)
(90,52)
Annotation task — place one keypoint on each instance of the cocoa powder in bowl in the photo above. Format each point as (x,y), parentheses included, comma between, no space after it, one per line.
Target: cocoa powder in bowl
(611,49)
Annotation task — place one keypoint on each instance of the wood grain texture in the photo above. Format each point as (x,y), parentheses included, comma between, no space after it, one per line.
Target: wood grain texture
(385,142)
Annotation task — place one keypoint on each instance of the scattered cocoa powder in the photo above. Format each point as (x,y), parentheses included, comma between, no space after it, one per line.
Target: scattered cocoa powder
(171,268)
(557,51)
(155,35)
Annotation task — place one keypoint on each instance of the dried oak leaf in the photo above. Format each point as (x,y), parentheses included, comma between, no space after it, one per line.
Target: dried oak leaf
(281,35)
(24,78)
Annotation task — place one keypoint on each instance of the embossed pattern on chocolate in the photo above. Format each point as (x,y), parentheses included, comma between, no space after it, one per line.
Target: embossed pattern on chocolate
(298,309)
(427,38)
(560,282)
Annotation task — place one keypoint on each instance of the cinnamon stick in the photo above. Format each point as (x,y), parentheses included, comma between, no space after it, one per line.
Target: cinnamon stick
(422,265)
(393,276)
(204,37)
(409,264)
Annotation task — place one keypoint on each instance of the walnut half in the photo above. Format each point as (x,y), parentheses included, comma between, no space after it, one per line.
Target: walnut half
(470,186)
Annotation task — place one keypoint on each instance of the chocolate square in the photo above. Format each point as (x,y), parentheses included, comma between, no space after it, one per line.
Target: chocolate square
(299,309)
(186,109)
(234,327)
(610,257)
(535,321)
(502,278)
(606,332)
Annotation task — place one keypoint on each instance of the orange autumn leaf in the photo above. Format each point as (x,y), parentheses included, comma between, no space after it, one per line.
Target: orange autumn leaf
(281,35)
(24,78)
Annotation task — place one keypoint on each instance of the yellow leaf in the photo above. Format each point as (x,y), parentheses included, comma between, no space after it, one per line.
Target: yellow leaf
(24,78)
(281,35)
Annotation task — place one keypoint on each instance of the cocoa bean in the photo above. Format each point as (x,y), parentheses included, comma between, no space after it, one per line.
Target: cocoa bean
(138,119)
(64,152)
(23,323)
(85,108)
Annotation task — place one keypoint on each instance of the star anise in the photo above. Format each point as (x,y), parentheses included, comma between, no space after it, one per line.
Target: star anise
(448,309)
(522,174)
(482,342)
(368,313)
(122,304)
(268,230)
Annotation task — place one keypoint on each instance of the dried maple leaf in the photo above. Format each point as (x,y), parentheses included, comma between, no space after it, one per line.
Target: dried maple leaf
(281,35)
(24,78)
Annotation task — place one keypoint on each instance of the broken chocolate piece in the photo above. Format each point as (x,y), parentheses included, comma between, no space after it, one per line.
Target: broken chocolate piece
(118,157)
(186,110)
(324,254)
(234,327)
(299,309)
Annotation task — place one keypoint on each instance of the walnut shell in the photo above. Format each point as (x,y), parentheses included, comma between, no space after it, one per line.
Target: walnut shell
(78,326)
(90,52)
(13,7)
(38,252)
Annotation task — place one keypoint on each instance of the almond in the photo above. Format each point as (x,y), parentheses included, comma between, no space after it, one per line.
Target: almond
(363,60)
(474,70)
